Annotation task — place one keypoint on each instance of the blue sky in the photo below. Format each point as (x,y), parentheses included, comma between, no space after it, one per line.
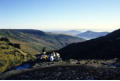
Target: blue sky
(101,15)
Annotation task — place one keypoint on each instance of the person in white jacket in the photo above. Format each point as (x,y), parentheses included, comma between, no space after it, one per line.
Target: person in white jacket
(51,58)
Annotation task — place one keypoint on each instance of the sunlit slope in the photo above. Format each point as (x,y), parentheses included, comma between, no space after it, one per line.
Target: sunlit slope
(11,55)
(32,41)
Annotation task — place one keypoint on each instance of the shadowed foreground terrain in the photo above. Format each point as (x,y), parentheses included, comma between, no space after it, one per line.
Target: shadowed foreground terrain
(68,72)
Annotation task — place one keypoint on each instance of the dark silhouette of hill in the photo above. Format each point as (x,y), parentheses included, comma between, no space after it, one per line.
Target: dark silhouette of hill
(32,41)
(105,47)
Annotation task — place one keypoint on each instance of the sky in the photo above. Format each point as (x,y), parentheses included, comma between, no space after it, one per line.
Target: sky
(98,15)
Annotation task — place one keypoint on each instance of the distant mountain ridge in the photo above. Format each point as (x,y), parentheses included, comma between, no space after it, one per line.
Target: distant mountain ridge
(91,34)
(69,32)
(32,41)
(86,34)
(105,47)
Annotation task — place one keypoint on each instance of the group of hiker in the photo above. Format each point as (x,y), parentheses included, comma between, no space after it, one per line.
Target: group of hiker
(53,56)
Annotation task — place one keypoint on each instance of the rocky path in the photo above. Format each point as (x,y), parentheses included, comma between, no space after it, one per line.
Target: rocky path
(67,72)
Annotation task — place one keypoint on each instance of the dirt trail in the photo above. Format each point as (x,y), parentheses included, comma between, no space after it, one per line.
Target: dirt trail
(17,72)
(65,72)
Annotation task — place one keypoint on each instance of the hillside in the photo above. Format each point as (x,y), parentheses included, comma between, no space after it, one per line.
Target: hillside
(105,47)
(32,41)
(11,55)
(91,34)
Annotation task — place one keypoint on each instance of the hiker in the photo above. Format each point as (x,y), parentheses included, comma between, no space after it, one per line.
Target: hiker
(54,54)
(51,58)
(43,55)
(57,56)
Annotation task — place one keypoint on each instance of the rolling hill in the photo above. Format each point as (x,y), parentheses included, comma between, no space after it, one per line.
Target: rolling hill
(105,47)
(32,41)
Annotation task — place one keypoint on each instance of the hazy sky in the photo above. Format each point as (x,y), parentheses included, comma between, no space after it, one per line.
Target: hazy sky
(101,15)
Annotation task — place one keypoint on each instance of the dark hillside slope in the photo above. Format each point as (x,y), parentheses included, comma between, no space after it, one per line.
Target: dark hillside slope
(105,47)
(32,41)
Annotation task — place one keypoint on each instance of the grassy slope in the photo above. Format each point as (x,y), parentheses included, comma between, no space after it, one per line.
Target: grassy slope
(11,56)
(32,41)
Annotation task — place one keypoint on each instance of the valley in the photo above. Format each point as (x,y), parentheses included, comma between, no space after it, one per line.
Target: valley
(59,39)
(32,41)
(80,59)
